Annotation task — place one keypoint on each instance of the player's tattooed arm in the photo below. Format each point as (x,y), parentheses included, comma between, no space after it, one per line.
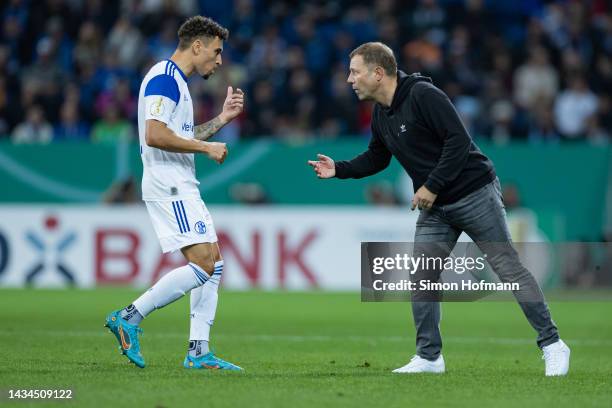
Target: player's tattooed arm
(206,130)
(232,107)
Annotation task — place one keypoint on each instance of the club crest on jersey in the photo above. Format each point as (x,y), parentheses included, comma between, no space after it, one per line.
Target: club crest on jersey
(157,109)
(200,227)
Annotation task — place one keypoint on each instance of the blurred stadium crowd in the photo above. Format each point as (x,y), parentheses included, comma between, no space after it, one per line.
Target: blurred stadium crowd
(533,70)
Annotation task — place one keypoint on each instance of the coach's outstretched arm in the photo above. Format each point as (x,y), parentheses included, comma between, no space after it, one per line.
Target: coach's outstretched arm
(159,136)
(370,162)
(232,107)
(324,167)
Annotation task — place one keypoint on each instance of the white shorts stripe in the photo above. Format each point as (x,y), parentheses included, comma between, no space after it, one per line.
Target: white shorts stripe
(186,226)
(176,216)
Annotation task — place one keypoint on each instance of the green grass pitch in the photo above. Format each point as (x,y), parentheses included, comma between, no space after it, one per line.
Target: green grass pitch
(299,350)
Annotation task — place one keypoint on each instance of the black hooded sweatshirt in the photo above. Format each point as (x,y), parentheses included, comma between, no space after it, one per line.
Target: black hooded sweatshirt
(423,131)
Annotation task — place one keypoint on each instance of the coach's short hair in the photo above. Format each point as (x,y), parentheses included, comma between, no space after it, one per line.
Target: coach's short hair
(198,26)
(379,54)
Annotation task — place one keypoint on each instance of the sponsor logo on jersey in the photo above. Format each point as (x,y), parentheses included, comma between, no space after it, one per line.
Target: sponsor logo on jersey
(187,127)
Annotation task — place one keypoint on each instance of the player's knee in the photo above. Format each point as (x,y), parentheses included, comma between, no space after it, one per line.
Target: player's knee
(205,256)
(207,265)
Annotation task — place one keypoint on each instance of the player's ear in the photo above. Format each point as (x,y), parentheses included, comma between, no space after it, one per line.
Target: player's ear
(196,46)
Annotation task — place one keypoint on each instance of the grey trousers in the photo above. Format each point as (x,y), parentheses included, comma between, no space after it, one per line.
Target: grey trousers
(482,216)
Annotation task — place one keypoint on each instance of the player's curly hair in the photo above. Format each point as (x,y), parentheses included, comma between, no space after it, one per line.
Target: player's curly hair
(199,26)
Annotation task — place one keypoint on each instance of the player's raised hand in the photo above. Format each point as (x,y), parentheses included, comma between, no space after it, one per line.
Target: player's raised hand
(216,151)
(324,167)
(233,105)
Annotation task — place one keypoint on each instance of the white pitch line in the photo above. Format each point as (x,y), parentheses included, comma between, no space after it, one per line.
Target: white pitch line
(312,338)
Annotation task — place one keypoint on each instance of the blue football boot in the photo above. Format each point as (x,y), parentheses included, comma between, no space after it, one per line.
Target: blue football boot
(209,361)
(127,336)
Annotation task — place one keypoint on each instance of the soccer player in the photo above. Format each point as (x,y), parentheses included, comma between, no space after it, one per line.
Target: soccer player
(168,141)
(456,189)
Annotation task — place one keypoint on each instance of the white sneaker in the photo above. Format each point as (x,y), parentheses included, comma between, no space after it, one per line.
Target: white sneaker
(420,365)
(556,358)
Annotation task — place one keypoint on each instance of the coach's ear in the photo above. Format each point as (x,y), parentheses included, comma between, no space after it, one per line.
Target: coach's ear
(379,73)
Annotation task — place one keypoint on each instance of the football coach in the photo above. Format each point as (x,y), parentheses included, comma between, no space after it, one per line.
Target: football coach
(456,190)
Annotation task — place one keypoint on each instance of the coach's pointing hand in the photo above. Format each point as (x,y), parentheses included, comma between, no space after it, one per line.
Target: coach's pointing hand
(324,167)
(215,151)
(423,199)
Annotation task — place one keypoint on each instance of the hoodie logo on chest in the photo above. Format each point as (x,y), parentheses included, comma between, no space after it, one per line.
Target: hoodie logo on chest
(402,129)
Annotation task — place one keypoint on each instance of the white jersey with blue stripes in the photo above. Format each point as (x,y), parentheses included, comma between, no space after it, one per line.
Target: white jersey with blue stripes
(164,96)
